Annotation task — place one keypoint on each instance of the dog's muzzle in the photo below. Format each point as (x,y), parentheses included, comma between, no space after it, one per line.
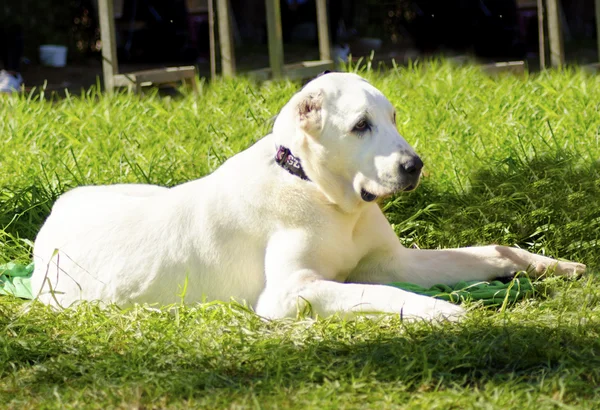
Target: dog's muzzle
(410,172)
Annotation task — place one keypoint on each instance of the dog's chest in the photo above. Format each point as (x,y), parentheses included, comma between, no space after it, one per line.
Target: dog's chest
(338,250)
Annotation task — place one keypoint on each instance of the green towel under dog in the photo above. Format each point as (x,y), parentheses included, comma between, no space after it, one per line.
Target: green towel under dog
(490,293)
(15,280)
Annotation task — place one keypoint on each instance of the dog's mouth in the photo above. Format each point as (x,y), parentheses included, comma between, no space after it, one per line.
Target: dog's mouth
(369,197)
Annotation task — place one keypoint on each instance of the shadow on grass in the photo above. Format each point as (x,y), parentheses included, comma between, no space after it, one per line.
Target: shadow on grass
(420,357)
(24,209)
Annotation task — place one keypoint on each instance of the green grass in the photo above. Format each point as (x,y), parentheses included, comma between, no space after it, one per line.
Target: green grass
(510,161)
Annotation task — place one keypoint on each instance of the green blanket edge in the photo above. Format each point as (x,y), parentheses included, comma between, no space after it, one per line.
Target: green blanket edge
(489,293)
(15,280)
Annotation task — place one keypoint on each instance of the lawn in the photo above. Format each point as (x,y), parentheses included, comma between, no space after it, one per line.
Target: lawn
(508,160)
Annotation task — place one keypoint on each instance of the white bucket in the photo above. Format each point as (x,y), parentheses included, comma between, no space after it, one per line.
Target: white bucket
(53,55)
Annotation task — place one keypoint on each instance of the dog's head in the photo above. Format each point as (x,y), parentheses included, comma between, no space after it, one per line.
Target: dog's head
(344,131)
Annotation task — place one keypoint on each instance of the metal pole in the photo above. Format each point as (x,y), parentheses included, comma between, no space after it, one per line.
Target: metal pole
(211,40)
(557,54)
(110,65)
(225,38)
(275,37)
(597,5)
(323,29)
(542,38)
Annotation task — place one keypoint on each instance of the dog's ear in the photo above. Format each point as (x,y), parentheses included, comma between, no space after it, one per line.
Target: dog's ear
(309,113)
(323,73)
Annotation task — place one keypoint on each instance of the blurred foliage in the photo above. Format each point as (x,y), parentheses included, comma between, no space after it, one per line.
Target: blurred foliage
(385,19)
(72,23)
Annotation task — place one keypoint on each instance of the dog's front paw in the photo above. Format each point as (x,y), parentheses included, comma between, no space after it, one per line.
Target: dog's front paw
(429,308)
(559,268)
(570,269)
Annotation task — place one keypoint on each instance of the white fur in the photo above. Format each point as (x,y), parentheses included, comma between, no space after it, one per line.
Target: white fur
(251,231)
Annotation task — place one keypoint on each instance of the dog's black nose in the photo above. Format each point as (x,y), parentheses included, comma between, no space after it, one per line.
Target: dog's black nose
(412,165)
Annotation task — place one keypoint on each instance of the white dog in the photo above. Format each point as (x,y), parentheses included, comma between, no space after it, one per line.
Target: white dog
(290,222)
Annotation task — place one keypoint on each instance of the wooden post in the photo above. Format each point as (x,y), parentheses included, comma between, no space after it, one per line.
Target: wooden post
(211,40)
(323,28)
(225,39)
(557,54)
(597,5)
(275,37)
(110,65)
(541,36)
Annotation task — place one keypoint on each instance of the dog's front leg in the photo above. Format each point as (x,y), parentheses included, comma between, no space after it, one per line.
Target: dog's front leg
(307,291)
(449,266)
(300,273)
(388,261)
(479,263)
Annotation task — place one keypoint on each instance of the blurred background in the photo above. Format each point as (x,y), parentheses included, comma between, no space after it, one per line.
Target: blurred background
(157,33)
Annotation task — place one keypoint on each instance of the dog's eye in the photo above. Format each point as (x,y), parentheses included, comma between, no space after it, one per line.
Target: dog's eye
(361,126)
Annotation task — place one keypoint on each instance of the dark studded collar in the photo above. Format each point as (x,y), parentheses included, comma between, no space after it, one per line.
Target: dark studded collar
(290,163)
